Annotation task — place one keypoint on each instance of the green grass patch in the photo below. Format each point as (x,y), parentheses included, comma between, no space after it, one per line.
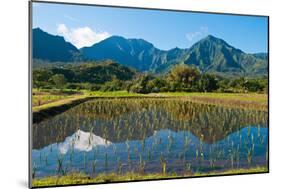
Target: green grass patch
(59,102)
(113,94)
(253,101)
(46,99)
(255,97)
(81,178)
(235,171)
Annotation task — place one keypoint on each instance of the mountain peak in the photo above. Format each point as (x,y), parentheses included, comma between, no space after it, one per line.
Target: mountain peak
(37,29)
(116,37)
(215,55)
(41,32)
(175,49)
(53,47)
(213,39)
(112,39)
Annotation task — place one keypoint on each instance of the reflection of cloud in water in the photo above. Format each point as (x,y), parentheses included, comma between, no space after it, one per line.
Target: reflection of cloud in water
(82,141)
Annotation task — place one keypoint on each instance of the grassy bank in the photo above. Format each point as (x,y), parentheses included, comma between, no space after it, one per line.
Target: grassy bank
(58,103)
(236,100)
(80,178)
(252,101)
(46,100)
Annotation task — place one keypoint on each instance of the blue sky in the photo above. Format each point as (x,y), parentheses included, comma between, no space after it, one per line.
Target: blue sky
(86,25)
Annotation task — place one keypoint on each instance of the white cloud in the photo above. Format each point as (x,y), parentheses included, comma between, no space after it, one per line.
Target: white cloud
(81,37)
(203,31)
(62,29)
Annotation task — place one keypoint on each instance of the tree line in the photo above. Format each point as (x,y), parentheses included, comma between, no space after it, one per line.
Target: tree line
(188,79)
(111,76)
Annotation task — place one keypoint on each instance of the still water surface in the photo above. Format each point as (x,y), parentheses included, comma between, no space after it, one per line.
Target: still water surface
(143,135)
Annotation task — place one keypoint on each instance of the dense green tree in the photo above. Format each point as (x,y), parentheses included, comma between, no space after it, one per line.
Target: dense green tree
(183,76)
(59,80)
(207,83)
(157,85)
(40,78)
(113,85)
(140,85)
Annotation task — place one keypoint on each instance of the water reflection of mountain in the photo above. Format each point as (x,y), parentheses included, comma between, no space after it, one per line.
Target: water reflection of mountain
(118,120)
(82,141)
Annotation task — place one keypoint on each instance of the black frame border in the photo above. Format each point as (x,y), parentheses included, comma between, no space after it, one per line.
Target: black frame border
(30,63)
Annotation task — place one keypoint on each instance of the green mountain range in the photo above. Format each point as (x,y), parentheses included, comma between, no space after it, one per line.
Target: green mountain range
(53,48)
(210,54)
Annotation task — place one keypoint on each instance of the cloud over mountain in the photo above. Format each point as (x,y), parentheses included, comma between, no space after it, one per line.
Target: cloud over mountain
(202,32)
(81,37)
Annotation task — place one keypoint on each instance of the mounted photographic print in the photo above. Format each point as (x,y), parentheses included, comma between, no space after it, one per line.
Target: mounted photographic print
(120,94)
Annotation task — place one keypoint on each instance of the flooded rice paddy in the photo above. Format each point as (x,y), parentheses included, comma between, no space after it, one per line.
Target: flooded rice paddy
(149,135)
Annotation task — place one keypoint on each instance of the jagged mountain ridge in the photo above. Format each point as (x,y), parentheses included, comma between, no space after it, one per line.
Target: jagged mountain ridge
(210,54)
(53,48)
